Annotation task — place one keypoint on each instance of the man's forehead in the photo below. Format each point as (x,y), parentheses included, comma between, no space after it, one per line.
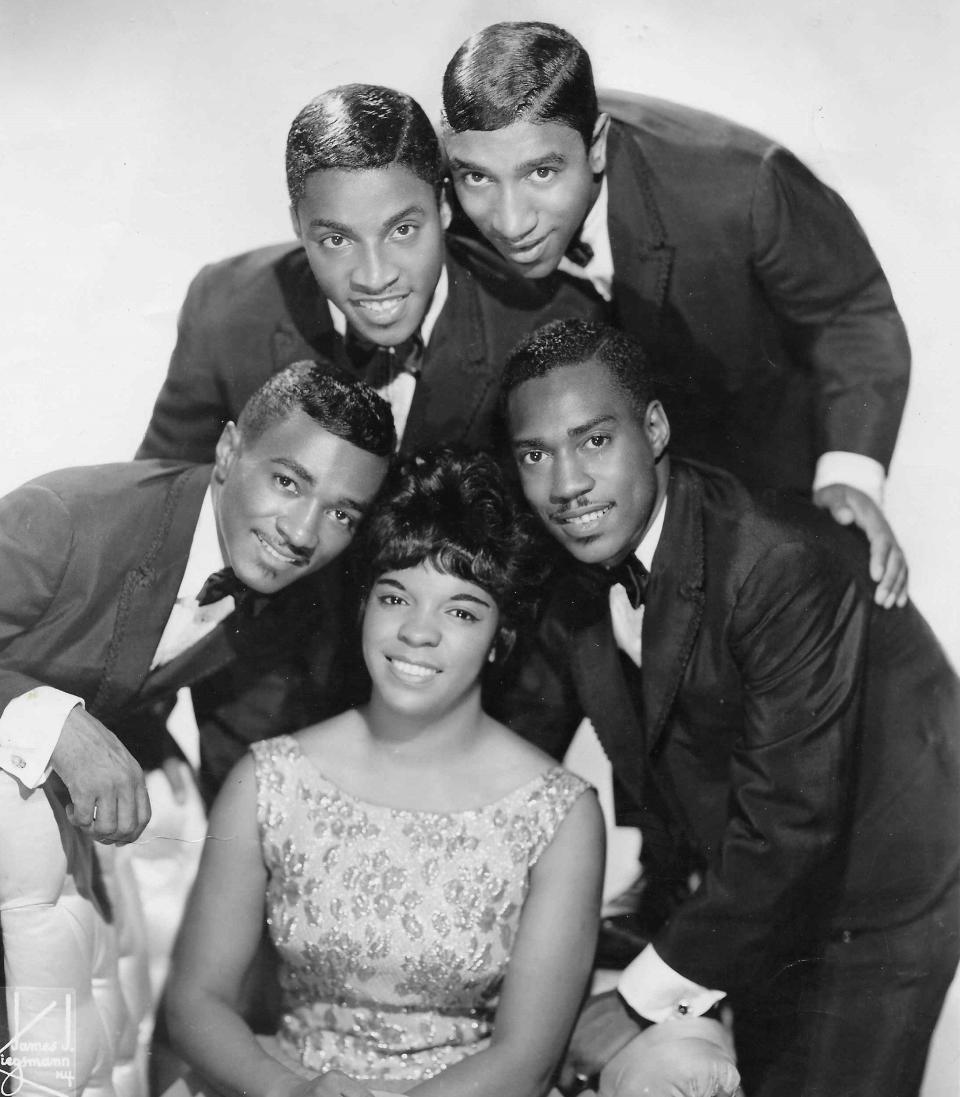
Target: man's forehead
(514,144)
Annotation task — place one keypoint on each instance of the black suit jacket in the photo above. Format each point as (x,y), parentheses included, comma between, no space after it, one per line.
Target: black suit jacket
(92,560)
(793,742)
(247,317)
(772,321)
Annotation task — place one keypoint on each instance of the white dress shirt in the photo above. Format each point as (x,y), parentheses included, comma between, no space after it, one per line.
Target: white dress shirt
(30,725)
(399,391)
(652,987)
(834,467)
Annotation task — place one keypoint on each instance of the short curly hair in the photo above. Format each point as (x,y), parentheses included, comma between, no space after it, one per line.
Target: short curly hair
(461,513)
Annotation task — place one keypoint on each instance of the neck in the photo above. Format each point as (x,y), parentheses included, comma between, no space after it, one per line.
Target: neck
(424,736)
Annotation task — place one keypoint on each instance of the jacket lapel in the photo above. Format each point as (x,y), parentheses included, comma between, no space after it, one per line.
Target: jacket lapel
(455,377)
(148,592)
(642,255)
(606,698)
(674,603)
(306,331)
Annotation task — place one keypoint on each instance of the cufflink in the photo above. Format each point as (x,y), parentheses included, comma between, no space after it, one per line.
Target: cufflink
(17,761)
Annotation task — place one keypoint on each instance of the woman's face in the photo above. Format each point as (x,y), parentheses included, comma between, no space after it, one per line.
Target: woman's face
(426,637)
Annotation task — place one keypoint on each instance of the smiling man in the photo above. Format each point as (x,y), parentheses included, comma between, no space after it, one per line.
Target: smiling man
(125,582)
(773,326)
(373,286)
(775,735)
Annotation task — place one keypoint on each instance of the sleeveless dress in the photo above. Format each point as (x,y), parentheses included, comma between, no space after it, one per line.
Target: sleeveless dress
(393,927)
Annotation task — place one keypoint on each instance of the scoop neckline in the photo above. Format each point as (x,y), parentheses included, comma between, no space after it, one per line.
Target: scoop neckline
(317,771)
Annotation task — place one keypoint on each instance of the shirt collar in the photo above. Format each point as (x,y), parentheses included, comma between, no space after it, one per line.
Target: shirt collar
(595,232)
(205,556)
(429,321)
(648,544)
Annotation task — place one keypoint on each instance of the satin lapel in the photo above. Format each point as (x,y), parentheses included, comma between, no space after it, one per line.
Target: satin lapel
(455,377)
(606,700)
(148,592)
(206,657)
(642,255)
(674,602)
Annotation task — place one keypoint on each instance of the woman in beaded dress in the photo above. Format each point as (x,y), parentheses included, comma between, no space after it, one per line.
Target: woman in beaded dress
(413,857)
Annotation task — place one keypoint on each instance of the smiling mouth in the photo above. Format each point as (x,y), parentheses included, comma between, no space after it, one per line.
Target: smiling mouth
(526,253)
(419,671)
(380,309)
(585,521)
(284,558)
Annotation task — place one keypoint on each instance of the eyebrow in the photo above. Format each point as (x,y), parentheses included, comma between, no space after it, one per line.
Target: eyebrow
(346,230)
(463,596)
(572,432)
(549,159)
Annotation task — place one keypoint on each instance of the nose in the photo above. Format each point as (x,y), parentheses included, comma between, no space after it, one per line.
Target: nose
(375,272)
(299,524)
(570,480)
(514,218)
(417,629)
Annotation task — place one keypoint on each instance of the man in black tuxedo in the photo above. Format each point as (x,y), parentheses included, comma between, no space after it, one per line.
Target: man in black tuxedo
(104,608)
(777,737)
(373,286)
(774,329)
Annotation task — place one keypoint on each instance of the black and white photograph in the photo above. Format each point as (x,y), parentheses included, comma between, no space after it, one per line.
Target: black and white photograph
(477,524)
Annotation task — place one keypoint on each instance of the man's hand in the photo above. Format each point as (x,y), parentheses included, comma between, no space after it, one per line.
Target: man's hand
(106,786)
(602,1029)
(692,1057)
(888,565)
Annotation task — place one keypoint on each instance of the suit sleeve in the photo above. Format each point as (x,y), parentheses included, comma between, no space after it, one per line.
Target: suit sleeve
(821,276)
(189,412)
(799,649)
(36,538)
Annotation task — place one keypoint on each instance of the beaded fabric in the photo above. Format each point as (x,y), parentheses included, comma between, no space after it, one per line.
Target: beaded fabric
(394,927)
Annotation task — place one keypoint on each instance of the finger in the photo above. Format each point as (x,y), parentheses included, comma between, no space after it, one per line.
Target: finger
(843,514)
(105,819)
(80,811)
(144,809)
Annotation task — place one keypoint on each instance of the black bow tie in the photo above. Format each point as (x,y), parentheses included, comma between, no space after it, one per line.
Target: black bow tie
(634,576)
(579,252)
(378,365)
(223,584)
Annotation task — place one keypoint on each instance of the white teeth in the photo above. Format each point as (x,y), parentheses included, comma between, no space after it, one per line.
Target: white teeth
(273,552)
(585,521)
(380,308)
(415,670)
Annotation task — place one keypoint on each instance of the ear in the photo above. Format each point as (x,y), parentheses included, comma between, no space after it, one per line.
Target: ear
(446,213)
(657,428)
(597,153)
(228,449)
(502,645)
(295,221)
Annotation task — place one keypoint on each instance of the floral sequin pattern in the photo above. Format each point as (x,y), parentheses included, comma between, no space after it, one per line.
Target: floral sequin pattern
(393,927)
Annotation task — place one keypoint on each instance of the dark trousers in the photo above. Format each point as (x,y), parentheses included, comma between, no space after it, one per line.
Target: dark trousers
(854,1019)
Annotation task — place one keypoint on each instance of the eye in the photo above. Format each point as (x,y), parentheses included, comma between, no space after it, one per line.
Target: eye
(473,178)
(543,173)
(390,600)
(463,614)
(342,517)
(335,242)
(285,483)
(532,457)
(405,231)
(597,441)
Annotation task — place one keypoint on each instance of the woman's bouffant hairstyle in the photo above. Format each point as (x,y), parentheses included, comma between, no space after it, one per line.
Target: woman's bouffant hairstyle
(459,512)
(360,127)
(520,72)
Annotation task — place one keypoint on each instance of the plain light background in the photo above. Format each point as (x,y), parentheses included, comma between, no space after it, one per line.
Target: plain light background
(140,139)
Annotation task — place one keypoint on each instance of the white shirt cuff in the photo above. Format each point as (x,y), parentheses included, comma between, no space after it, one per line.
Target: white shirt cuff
(30,727)
(854,469)
(654,990)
